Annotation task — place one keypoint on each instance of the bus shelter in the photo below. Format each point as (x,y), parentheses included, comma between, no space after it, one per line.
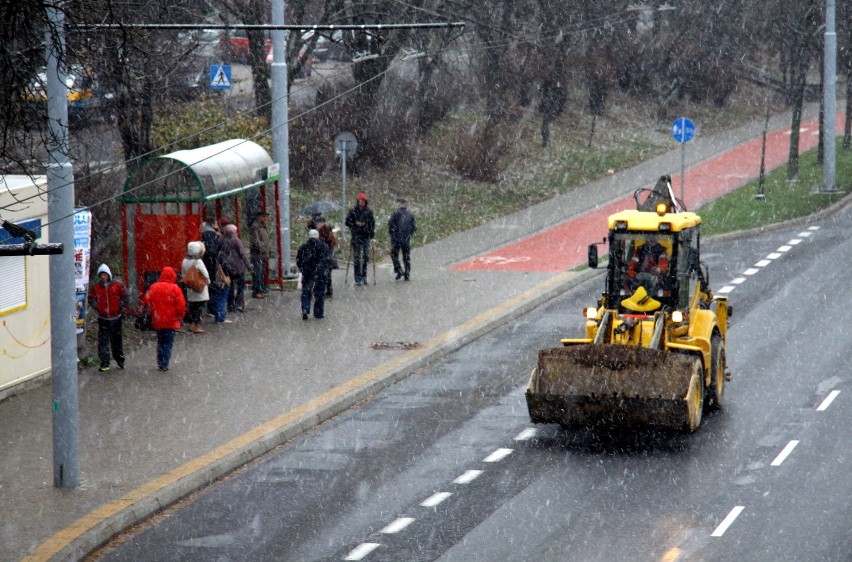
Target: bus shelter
(166,199)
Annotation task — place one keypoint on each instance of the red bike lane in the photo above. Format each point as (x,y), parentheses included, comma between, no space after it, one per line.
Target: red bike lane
(564,246)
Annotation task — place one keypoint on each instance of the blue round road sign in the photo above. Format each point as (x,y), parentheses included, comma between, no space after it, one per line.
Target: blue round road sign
(683,130)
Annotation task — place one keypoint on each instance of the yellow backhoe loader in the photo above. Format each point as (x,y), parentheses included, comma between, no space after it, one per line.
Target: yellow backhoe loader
(653,354)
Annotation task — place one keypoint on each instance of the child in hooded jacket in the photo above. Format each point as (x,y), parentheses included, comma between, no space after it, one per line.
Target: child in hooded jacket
(168,307)
(108,297)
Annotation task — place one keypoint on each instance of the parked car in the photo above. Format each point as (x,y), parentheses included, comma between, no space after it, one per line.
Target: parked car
(235,45)
(87,100)
(307,65)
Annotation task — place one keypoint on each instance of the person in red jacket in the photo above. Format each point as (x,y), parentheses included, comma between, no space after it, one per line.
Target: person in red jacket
(108,298)
(168,307)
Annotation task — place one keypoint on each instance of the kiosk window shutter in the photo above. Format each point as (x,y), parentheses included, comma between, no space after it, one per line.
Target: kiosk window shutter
(13,283)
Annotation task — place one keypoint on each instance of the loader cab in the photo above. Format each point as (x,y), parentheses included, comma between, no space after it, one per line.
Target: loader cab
(649,271)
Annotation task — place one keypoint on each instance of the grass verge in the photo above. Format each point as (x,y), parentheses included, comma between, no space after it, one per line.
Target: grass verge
(784,200)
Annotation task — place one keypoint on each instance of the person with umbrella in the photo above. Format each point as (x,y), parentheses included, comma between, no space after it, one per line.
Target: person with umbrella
(362,228)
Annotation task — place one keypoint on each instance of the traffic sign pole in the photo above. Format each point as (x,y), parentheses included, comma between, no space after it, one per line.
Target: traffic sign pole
(345,146)
(683,130)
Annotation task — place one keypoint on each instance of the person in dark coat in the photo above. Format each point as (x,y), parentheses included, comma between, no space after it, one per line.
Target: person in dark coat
(168,307)
(260,248)
(326,234)
(401,228)
(362,228)
(235,259)
(211,238)
(313,260)
(108,297)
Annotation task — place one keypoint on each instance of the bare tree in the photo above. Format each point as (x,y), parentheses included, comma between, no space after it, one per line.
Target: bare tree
(22,55)
(795,27)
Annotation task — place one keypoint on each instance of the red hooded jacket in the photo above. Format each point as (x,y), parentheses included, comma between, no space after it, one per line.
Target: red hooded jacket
(109,298)
(165,299)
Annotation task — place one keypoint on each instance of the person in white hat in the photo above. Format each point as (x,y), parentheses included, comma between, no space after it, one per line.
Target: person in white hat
(313,260)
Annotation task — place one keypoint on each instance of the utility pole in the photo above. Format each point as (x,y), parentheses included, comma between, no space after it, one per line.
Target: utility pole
(281,130)
(829,100)
(63,306)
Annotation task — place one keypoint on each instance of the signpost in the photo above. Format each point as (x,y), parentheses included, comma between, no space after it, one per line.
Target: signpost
(220,76)
(345,146)
(683,130)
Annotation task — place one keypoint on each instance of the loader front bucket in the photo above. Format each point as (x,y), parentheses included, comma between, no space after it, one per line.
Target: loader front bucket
(616,385)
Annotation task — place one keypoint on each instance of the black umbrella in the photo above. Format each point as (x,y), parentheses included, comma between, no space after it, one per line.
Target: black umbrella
(319,207)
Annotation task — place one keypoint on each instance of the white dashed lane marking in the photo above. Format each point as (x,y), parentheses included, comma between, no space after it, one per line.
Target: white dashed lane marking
(828,400)
(526,434)
(468,477)
(768,260)
(362,550)
(727,521)
(498,455)
(397,525)
(435,499)
(784,453)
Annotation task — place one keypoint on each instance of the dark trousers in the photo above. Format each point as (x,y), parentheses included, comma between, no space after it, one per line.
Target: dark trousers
(165,341)
(193,314)
(110,339)
(405,248)
(237,295)
(314,287)
(360,257)
(258,286)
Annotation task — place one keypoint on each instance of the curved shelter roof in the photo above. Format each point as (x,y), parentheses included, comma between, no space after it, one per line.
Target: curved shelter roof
(199,174)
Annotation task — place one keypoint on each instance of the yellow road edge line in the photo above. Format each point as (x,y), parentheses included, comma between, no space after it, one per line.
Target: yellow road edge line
(53,545)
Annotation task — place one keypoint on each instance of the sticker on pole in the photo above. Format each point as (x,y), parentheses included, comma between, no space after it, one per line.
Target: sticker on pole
(220,76)
(683,130)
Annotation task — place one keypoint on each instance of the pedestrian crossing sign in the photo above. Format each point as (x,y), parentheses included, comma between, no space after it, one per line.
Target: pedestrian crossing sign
(220,76)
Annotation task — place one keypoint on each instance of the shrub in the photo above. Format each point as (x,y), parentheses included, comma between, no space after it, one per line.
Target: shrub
(481,150)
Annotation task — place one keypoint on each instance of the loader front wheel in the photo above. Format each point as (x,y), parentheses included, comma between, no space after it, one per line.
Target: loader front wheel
(716,392)
(695,397)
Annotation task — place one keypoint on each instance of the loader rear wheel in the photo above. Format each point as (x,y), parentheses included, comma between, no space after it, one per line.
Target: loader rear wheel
(716,392)
(695,397)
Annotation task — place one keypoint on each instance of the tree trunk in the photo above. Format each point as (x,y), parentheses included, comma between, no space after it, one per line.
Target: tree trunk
(260,75)
(795,125)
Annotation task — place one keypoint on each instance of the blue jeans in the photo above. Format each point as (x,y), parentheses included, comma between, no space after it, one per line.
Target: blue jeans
(258,286)
(316,288)
(219,301)
(165,341)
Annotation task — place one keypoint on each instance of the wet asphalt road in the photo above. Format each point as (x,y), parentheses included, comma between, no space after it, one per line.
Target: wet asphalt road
(446,465)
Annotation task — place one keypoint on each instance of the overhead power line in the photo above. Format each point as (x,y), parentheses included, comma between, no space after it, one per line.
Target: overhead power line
(269,27)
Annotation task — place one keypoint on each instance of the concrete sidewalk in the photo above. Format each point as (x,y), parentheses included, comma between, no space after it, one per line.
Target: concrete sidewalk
(147,438)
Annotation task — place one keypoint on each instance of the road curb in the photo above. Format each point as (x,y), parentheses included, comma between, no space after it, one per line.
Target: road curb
(95,529)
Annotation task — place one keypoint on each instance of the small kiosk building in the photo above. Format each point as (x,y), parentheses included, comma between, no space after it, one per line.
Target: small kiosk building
(25,352)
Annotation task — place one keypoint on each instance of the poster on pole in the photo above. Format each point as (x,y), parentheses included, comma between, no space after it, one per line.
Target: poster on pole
(82,262)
